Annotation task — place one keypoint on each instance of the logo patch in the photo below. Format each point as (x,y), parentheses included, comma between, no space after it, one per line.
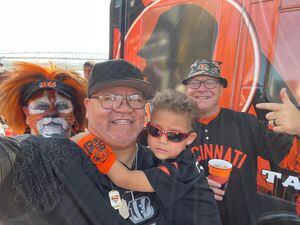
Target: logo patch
(44,84)
(140,209)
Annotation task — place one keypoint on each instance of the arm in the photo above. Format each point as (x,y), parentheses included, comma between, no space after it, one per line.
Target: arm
(105,160)
(287,120)
(285,115)
(129,179)
(7,157)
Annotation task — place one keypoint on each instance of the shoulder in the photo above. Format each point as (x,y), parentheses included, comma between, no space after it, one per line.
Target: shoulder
(235,115)
(146,159)
(12,145)
(183,168)
(55,143)
(29,148)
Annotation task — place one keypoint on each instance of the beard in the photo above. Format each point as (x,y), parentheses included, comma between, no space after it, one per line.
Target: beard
(53,126)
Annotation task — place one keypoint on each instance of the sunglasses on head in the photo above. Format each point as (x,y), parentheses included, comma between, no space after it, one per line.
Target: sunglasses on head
(173,136)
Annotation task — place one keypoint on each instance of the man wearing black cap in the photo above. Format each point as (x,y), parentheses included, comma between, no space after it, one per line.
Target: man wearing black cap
(117,95)
(238,138)
(51,181)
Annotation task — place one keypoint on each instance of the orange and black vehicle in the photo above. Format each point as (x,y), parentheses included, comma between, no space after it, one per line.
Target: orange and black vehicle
(256,41)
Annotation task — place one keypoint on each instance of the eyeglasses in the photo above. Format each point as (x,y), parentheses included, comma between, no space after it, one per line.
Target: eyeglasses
(173,136)
(115,101)
(209,84)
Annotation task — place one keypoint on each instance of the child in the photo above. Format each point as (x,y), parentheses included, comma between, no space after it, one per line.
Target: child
(180,186)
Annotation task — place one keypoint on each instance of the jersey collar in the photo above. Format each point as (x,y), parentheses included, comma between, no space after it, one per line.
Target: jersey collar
(209,119)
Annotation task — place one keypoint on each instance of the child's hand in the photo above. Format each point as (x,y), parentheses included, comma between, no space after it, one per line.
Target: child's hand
(78,136)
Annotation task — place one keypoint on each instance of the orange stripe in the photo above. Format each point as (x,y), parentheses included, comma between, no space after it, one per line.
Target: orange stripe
(175,164)
(207,120)
(165,169)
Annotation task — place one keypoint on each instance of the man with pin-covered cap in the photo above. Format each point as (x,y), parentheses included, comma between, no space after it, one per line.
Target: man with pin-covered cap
(238,138)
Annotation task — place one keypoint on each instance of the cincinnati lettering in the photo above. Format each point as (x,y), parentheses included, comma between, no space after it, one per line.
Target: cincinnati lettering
(234,156)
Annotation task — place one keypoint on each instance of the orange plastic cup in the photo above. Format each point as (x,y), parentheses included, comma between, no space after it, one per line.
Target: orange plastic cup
(219,171)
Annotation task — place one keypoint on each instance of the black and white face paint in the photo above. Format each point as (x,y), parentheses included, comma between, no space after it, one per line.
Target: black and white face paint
(50,113)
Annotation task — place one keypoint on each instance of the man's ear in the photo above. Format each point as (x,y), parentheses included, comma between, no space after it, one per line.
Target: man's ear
(221,89)
(191,138)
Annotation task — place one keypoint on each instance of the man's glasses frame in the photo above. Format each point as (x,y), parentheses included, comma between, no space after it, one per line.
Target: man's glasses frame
(209,83)
(173,136)
(111,101)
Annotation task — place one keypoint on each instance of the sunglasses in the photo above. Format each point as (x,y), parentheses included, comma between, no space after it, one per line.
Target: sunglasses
(173,136)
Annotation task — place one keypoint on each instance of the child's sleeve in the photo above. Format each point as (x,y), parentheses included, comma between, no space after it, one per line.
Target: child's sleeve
(172,180)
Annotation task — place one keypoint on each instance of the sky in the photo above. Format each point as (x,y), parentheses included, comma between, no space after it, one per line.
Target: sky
(54,26)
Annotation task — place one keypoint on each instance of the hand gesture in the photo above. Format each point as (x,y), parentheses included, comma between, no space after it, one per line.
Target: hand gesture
(285,117)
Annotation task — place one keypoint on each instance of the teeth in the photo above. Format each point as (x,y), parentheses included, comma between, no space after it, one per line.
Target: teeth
(121,121)
(202,97)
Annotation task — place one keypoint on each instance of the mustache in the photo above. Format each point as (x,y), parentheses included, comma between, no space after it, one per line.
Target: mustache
(54,121)
(49,126)
(48,120)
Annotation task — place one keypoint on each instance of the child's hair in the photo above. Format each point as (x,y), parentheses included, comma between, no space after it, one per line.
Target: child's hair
(177,102)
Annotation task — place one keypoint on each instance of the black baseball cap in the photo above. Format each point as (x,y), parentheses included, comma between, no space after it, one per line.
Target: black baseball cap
(58,86)
(205,67)
(118,72)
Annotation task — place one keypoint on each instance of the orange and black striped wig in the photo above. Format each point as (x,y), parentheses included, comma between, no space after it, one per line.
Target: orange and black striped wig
(27,78)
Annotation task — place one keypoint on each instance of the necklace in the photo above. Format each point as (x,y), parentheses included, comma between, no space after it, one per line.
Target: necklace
(133,159)
(116,201)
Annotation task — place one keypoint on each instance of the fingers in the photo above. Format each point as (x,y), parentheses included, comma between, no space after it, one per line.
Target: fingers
(215,187)
(218,198)
(276,106)
(280,129)
(270,106)
(284,97)
(272,123)
(218,193)
(272,115)
(212,183)
(78,136)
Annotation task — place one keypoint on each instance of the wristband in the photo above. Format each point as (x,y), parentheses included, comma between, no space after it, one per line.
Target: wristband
(101,155)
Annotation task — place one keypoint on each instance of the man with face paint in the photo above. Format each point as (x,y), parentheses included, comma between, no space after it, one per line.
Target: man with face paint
(49,181)
(48,112)
(44,101)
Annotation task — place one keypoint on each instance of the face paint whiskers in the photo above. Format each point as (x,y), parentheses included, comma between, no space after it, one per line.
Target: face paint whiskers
(49,126)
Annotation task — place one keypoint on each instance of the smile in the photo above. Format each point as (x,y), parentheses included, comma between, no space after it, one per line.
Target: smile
(122,121)
(201,97)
